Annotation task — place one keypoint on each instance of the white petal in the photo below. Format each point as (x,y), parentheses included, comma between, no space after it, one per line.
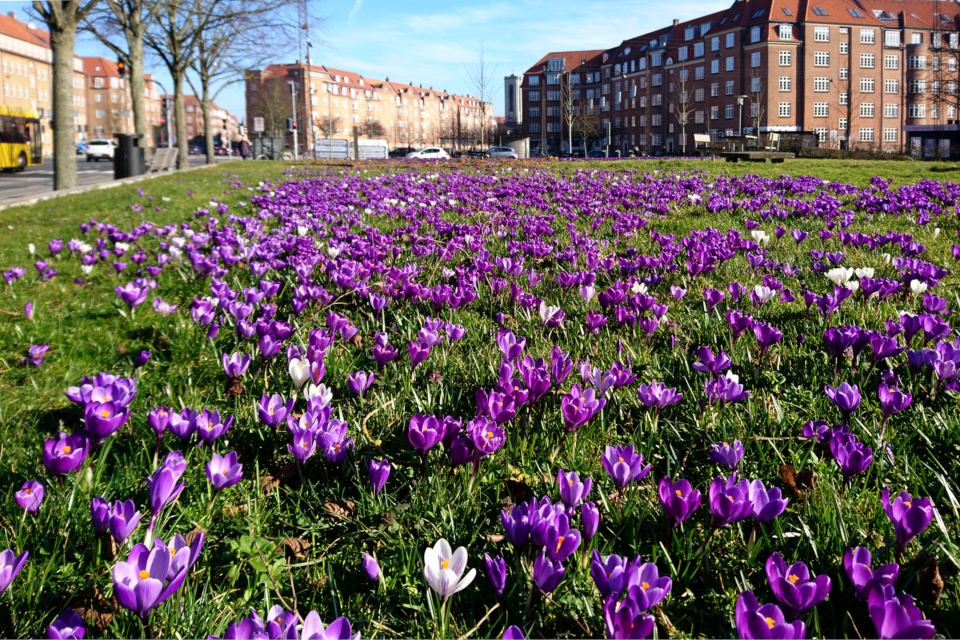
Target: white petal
(458,561)
(467,579)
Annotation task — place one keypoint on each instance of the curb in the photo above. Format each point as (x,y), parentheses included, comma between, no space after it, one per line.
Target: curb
(98,186)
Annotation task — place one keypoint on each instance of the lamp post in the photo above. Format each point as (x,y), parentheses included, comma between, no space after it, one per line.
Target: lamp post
(293,100)
(740,100)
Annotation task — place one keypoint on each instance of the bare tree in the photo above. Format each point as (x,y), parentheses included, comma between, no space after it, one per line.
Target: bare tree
(62,18)
(568,110)
(756,101)
(375,129)
(131,18)
(273,105)
(327,127)
(682,107)
(482,78)
(586,122)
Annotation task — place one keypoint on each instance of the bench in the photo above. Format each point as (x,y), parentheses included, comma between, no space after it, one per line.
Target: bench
(703,138)
(773,142)
(164,159)
(776,157)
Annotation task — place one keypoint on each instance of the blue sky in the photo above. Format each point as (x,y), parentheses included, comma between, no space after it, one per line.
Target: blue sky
(437,42)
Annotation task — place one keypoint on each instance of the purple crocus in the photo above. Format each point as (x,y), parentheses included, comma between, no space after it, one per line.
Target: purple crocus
(624,465)
(767,503)
(424,433)
(794,587)
(65,453)
(102,419)
(572,491)
(379,472)
(656,394)
(710,363)
(510,346)
(418,353)
(846,397)
(163,483)
(679,500)
(123,520)
(68,626)
(853,457)
(10,566)
(140,583)
(864,578)
(909,515)
(579,406)
(547,573)
(210,425)
(764,622)
(727,454)
(371,568)
(896,616)
(272,410)
(360,381)
(35,354)
(132,294)
(725,389)
(236,364)
(892,400)
(767,336)
(729,500)
(224,471)
(608,574)
(30,496)
(590,519)
(496,571)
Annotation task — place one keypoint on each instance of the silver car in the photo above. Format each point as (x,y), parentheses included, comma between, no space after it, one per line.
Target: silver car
(501,152)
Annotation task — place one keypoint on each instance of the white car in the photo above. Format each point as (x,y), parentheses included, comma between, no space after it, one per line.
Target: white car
(100,148)
(429,153)
(501,152)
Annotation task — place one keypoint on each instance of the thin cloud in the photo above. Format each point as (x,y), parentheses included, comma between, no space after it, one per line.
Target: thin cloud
(357,5)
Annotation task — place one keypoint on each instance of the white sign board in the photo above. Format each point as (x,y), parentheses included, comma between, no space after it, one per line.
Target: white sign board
(258,125)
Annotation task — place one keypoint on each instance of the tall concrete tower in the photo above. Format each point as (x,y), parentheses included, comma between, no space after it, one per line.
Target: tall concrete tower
(513,109)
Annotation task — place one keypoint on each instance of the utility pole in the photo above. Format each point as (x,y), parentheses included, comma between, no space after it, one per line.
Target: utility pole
(293,100)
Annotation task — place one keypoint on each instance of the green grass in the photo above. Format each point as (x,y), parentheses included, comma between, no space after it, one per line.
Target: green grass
(245,562)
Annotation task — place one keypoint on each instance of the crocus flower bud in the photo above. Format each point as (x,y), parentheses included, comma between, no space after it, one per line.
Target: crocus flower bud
(30,496)
(379,472)
(496,570)
(370,567)
(590,518)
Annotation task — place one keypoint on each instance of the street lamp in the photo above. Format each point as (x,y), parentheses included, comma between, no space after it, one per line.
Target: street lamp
(740,100)
(293,100)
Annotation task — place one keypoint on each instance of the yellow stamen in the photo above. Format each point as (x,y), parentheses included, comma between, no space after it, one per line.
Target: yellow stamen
(67,449)
(679,493)
(793,579)
(907,504)
(144,574)
(771,622)
(621,458)
(644,585)
(105,413)
(559,542)
(444,563)
(27,491)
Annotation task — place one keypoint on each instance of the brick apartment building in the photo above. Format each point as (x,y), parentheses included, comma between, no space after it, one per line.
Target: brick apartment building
(108,100)
(867,74)
(335,102)
(225,125)
(26,76)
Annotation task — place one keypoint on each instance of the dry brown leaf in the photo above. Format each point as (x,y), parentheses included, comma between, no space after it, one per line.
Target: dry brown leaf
(789,476)
(234,509)
(190,537)
(234,387)
(340,508)
(121,349)
(357,341)
(94,608)
(495,538)
(931,584)
(297,546)
(271,481)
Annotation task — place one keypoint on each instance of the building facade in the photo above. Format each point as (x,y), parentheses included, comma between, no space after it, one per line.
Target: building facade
(225,125)
(333,103)
(876,75)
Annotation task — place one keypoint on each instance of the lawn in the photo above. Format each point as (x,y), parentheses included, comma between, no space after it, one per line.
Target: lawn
(611,276)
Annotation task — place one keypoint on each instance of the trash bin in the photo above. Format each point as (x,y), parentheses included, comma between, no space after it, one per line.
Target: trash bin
(128,157)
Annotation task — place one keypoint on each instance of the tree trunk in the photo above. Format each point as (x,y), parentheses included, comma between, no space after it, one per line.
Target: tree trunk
(207,125)
(180,115)
(137,85)
(62,40)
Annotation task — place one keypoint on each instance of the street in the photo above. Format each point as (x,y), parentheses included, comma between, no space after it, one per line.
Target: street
(38,180)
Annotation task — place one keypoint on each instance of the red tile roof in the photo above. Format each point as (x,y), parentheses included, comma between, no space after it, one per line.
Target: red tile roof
(572,59)
(100,67)
(20,30)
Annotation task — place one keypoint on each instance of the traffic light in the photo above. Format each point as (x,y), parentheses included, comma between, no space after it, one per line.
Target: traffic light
(291,125)
(121,68)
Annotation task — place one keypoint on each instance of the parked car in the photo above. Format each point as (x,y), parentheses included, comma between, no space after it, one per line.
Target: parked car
(429,153)
(220,150)
(81,148)
(100,149)
(401,152)
(196,150)
(501,152)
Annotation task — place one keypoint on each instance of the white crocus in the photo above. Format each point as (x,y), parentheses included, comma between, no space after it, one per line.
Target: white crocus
(299,371)
(885,257)
(86,268)
(839,275)
(301,230)
(547,312)
(864,272)
(936,231)
(764,294)
(731,376)
(333,252)
(32,248)
(853,285)
(318,391)
(917,287)
(638,287)
(760,236)
(443,569)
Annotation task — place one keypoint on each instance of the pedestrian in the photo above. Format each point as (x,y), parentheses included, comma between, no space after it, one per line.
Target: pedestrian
(244,148)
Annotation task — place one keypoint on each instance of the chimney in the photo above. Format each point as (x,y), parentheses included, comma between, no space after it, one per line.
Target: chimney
(675,22)
(12,15)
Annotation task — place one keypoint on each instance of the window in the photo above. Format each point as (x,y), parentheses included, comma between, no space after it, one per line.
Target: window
(534,127)
(891,38)
(821,109)
(714,66)
(820,11)
(784,109)
(821,59)
(916,111)
(101,113)
(715,43)
(785,58)
(656,100)
(98,83)
(891,110)
(855,13)
(821,84)
(730,62)
(755,59)
(534,81)
(843,99)
(867,60)
(755,34)
(714,113)
(916,62)
(657,80)
(842,124)
(891,62)
(866,134)
(728,88)
(656,59)
(755,84)
(534,112)
(917,86)
(553,95)
(821,133)
(867,85)
(866,109)
(698,95)
(731,40)
(698,117)
(698,73)
(821,34)
(754,109)
(785,32)
(533,96)
(890,134)
(553,127)
(868,36)
(698,50)
(891,86)
(844,48)
(98,98)
(844,73)
(714,89)
(728,112)
(784,83)
(935,63)
(656,120)
(682,53)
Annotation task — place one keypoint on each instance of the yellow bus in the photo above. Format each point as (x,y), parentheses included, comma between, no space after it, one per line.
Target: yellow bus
(19,138)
